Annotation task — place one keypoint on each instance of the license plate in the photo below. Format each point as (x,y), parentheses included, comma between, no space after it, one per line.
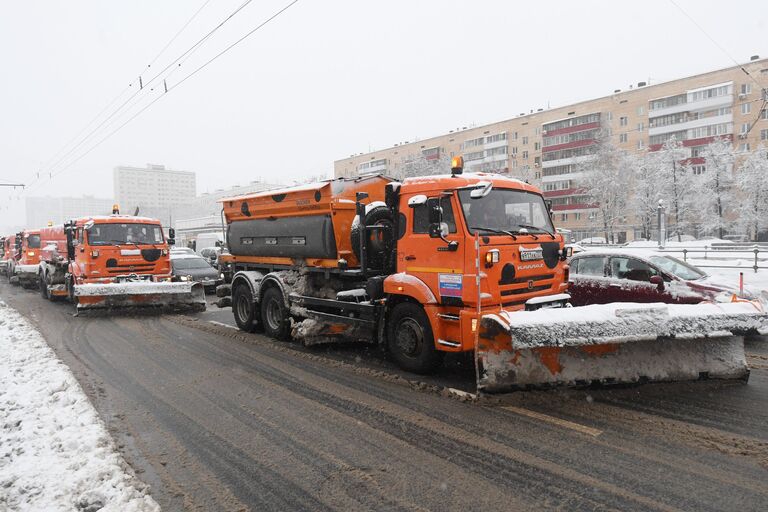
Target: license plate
(531,255)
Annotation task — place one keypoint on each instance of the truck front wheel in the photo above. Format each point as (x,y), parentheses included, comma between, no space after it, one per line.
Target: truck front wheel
(244,308)
(274,313)
(410,340)
(44,287)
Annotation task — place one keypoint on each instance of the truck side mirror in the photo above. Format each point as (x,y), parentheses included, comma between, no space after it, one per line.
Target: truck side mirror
(435,210)
(548,205)
(171,236)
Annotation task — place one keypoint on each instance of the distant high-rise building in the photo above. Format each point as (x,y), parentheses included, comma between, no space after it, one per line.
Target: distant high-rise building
(154,189)
(42,210)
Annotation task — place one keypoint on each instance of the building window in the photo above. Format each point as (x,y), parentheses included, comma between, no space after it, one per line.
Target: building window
(514,136)
(746,108)
(640,144)
(514,150)
(764,113)
(640,110)
(525,155)
(623,121)
(744,128)
(577,216)
(640,126)
(623,137)
(763,134)
(563,217)
(525,140)
(537,146)
(744,148)
(609,116)
(698,169)
(746,88)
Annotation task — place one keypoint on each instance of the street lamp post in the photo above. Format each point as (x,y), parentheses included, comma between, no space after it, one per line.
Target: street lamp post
(662,223)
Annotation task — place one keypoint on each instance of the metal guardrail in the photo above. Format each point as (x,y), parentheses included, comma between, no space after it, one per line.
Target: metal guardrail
(755,249)
(711,252)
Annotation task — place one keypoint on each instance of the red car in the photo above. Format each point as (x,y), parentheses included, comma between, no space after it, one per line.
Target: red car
(615,275)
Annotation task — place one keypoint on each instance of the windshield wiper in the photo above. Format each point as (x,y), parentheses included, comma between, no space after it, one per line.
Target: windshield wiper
(497,231)
(528,226)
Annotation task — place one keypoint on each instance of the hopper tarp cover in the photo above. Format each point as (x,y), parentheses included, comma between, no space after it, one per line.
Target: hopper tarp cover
(308,236)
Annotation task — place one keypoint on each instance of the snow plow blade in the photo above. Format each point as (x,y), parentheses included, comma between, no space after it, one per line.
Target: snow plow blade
(129,295)
(615,343)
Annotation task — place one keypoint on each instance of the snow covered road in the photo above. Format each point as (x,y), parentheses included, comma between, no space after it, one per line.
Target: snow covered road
(55,452)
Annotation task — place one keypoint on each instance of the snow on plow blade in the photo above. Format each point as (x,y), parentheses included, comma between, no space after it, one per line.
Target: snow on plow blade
(616,343)
(141,294)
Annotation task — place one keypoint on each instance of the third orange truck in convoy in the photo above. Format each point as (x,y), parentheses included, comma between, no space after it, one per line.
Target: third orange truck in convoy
(454,263)
(23,264)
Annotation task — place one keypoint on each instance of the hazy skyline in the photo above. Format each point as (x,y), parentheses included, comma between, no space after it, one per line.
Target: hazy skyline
(323,80)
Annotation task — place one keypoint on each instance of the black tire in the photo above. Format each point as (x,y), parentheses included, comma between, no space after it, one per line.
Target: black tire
(377,242)
(274,315)
(410,341)
(44,287)
(244,308)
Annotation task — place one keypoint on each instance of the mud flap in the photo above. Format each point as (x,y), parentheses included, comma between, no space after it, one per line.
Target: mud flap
(164,295)
(615,343)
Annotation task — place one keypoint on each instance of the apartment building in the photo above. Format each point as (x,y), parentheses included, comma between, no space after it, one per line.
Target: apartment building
(545,147)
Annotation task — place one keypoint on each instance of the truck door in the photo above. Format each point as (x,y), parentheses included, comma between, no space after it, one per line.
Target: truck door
(431,259)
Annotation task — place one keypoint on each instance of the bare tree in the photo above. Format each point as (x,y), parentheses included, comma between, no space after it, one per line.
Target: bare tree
(646,192)
(606,183)
(673,179)
(715,186)
(419,165)
(752,184)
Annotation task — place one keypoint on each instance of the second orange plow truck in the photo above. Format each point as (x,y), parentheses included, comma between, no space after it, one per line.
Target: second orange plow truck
(455,263)
(115,261)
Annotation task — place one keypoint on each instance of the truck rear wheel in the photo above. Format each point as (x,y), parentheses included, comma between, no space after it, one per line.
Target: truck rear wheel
(410,340)
(274,314)
(244,308)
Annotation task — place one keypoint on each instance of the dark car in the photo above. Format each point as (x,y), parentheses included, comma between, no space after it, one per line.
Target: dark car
(605,276)
(191,267)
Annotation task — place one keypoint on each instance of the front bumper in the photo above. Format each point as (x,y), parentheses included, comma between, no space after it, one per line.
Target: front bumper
(26,272)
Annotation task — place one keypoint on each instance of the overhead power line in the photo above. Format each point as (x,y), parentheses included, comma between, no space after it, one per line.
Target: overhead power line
(143,85)
(55,157)
(169,89)
(746,72)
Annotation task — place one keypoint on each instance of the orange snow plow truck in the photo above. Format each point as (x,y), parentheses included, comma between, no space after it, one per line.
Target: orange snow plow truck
(459,263)
(115,261)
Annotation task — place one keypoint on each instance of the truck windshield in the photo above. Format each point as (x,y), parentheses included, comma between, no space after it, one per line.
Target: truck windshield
(33,241)
(130,233)
(506,210)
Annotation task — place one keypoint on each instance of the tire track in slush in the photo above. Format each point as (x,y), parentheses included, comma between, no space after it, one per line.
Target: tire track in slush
(496,462)
(609,471)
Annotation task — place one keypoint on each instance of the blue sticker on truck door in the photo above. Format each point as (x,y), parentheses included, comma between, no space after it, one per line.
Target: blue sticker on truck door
(450,284)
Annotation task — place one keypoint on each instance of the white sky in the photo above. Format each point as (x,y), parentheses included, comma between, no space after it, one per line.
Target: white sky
(324,80)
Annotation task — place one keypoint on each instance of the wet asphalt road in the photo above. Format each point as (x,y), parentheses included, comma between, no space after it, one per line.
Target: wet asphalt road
(214,419)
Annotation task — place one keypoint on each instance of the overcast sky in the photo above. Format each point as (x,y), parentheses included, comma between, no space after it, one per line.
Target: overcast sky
(322,81)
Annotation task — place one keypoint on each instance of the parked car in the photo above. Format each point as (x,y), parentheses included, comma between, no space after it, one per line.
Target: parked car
(191,267)
(615,275)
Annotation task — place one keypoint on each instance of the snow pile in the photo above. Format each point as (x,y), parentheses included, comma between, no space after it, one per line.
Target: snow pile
(55,452)
(627,322)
